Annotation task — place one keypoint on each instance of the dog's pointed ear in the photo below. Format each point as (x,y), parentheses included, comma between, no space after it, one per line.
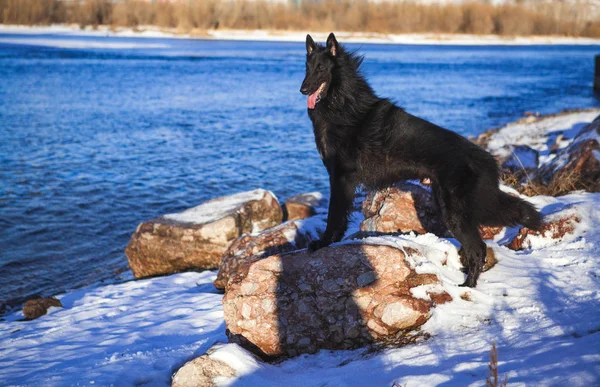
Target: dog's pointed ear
(332,44)
(310,44)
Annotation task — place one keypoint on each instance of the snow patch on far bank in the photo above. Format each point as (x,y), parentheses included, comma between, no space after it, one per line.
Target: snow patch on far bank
(298,36)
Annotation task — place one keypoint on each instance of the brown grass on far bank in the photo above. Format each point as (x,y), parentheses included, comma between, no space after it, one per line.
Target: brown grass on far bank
(554,18)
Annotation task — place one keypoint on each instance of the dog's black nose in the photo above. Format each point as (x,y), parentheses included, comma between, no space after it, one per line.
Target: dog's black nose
(304,90)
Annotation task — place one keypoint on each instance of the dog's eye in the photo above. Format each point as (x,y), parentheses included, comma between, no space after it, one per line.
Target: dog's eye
(320,67)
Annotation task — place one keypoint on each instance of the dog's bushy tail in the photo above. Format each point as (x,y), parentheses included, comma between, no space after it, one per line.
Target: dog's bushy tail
(513,210)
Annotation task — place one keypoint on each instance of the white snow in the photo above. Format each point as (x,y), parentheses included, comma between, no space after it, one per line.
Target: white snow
(540,305)
(217,208)
(518,157)
(134,333)
(299,36)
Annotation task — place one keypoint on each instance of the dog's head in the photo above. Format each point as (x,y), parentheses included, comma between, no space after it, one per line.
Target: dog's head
(320,63)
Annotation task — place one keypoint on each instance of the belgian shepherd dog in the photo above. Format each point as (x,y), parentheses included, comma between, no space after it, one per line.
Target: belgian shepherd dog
(364,140)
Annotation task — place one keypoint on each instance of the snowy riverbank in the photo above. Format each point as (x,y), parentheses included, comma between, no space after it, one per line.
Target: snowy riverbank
(299,36)
(540,305)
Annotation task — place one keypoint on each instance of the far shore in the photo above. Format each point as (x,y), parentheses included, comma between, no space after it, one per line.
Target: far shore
(297,36)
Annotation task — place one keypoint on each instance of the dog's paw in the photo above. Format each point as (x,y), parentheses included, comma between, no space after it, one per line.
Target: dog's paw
(318,244)
(470,282)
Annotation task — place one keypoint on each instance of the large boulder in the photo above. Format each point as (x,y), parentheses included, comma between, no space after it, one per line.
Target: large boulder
(407,207)
(339,297)
(198,237)
(304,205)
(245,250)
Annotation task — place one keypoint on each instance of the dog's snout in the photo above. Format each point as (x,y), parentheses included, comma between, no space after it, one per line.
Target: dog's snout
(304,90)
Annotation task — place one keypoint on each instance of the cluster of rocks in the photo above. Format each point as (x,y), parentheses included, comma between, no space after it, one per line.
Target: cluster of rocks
(281,300)
(199,238)
(284,303)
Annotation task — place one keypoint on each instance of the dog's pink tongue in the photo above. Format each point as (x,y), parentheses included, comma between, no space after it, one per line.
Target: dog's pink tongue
(312,100)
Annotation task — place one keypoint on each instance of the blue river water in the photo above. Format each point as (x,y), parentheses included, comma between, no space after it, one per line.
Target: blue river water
(98,134)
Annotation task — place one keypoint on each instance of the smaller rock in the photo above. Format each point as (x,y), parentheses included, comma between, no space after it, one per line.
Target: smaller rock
(440,298)
(404,207)
(201,372)
(555,227)
(407,207)
(304,205)
(490,232)
(197,238)
(38,307)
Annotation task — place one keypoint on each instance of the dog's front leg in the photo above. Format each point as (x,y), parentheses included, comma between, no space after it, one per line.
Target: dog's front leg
(340,204)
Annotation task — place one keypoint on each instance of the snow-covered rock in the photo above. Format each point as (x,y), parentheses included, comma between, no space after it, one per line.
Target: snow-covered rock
(304,205)
(339,297)
(539,133)
(561,152)
(203,371)
(566,224)
(198,237)
(289,236)
(514,158)
(581,158)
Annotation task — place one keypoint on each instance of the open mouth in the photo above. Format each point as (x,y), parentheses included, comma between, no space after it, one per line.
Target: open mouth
(315,97)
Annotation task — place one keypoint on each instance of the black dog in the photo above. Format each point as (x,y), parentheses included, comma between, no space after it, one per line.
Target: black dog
(367,140)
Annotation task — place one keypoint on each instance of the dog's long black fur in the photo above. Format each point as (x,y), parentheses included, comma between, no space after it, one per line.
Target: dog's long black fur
(366,140)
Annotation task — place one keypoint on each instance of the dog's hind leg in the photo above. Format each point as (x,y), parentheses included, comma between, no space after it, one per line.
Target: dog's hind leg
(462,224)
